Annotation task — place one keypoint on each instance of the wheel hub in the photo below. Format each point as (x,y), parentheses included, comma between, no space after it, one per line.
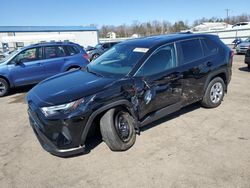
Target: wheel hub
(2,87)
(122,127)
(216,92)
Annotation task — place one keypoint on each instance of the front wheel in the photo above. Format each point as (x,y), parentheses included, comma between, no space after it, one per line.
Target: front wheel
(214,93)
(4,87)
(118,130)
(95,56)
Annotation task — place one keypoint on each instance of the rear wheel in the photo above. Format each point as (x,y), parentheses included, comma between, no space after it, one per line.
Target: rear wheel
(117,129)
(214,93)
(4,87)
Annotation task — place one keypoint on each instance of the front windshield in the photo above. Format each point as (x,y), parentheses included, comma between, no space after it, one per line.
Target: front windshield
(12,54)
(119,60)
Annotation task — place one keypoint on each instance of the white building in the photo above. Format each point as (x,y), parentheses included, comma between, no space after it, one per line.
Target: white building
(210,26)
(111,35)
(12,37)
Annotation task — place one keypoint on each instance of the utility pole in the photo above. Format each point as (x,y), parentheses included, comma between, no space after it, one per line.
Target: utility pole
(227,12)
(162,27)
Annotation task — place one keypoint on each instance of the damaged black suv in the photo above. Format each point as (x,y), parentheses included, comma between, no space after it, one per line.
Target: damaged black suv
(133,84)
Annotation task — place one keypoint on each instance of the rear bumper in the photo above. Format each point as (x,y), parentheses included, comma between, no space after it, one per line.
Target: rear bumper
(48,145)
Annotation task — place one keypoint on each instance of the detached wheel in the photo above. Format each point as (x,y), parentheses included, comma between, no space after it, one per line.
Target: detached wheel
(214,93)
(4,87)
(117,129)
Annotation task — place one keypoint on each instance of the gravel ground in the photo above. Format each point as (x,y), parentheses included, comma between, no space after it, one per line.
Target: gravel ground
(194,147)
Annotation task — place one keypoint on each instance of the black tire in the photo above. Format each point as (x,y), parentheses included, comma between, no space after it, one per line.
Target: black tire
(115,139)
(248,66)
(95,56)
(213,99)
(4,87)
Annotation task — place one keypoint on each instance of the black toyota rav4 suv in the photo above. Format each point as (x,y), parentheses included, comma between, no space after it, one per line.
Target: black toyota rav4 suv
(133,84)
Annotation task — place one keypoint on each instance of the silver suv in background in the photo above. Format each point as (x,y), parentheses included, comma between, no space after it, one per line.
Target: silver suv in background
(99,49)
(243,46)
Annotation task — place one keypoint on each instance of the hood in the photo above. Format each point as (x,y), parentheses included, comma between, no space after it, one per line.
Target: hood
(67,87)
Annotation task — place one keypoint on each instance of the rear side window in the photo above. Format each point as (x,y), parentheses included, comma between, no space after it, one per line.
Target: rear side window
(106,45)
(191,50)
(72,50)
(209,46)
(112,44)
(54,52)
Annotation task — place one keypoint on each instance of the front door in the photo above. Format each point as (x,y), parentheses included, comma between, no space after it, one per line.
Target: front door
(162,83)
(27,67)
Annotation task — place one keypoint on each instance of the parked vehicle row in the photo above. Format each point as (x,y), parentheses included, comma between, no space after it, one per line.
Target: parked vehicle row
(134,83)
(99,49)
(34,63)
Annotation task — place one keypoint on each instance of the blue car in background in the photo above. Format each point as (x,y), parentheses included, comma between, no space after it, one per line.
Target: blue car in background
(34,63)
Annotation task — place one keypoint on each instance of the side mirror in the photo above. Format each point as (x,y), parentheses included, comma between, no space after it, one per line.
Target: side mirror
(17,62)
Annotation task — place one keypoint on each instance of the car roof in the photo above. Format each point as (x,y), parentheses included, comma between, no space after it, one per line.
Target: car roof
(51,43)
(151,41)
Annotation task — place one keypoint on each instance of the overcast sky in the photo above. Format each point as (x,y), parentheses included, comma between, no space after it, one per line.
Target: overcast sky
(113,12)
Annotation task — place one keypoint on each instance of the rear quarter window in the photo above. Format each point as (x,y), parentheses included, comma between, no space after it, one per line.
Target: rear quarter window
(191,50)
(209,46)
(72,50)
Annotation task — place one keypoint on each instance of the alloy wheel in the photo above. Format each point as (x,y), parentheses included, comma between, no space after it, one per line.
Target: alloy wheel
(216,92)
(2,88)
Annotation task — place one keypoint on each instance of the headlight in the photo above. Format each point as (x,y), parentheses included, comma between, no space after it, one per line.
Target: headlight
(63,108)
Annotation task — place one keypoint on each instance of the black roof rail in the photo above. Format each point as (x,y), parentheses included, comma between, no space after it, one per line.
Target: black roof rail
(186,32)
(64,42)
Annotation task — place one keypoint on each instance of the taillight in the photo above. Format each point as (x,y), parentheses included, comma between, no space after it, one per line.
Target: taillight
(231,57)
(232,54)
(86,56)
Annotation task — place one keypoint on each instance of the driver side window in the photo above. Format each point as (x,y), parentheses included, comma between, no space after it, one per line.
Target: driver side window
(28,55)
(160,61)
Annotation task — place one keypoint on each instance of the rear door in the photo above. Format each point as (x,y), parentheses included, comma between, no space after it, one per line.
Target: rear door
(195,68)
(162,85)
(27,67)
(55,58)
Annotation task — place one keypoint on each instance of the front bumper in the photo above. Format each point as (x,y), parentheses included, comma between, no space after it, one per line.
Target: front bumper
(241,50)
(60,140)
